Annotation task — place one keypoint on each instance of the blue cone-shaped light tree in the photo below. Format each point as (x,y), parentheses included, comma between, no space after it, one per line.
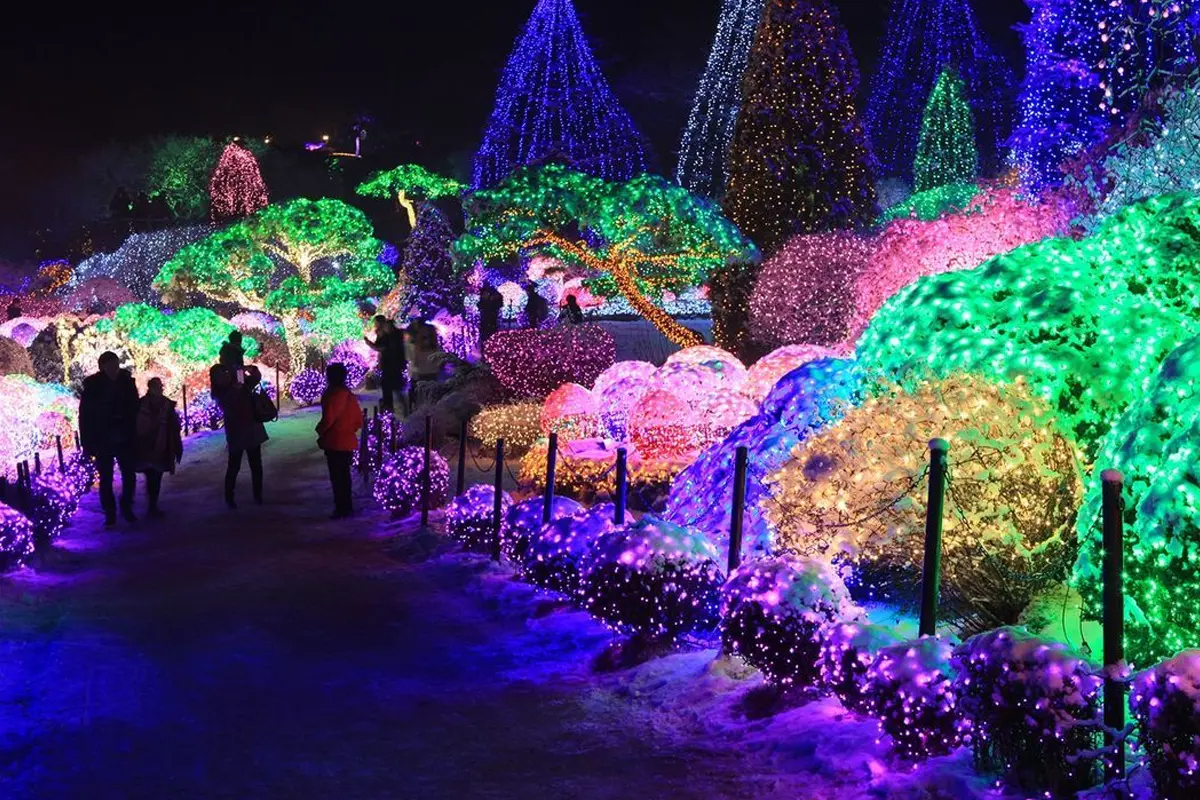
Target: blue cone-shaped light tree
(553,103)
(923,38)
(704,153)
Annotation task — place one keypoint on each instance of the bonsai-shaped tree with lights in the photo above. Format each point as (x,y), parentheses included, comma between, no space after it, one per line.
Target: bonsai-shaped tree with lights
(946,152)
(287,260)
(641,237)
(410,183)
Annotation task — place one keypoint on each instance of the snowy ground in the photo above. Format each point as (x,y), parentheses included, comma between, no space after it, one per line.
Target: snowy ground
(271,653)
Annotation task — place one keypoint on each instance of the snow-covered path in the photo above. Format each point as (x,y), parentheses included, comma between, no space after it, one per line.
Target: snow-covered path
(271,653)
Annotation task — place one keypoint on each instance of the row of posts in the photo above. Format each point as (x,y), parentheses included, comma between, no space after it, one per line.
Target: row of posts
(24,484)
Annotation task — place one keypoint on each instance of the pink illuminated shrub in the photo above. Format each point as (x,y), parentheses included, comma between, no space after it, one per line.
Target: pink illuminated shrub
(805,293)
(571,411)
(661,426)
(995,222)
(774,612)
(533,363)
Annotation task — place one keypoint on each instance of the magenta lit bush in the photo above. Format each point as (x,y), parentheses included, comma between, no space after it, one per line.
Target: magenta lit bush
(307,387)
(524,519)
(469,517)
(1030,709)
(52,504)
(556,550)
(1166,704)
(909,689)
(16,538)
(533,363)
(399,482)
(774,612)
(653,578)
(847,651)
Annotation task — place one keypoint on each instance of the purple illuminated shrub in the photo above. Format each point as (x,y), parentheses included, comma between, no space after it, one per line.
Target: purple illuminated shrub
(398,485)
(357,365)
(79,472)
(203,412)
(909,690)
(847,651)
(1029,710)
(381,431)
(307,387)
(653,579)
(52,504)
(774,612)
(524,519)
(16,538)
(1166,704)
(534,363)
(469,517)
(556,550)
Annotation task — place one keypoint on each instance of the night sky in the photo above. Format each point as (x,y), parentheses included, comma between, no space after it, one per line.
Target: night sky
(426,72)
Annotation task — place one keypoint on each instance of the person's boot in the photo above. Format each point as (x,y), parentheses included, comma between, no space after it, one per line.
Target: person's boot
(110,519)
(128,515)
(229,501)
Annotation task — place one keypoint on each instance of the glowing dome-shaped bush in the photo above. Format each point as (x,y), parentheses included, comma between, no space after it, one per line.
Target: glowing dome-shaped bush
(399,482)
(653,578)
(617,401)
(52,504)
(524,519)
(692,382)
(847,651)
(533,363)
(909,690)
(16,538)
(572,412)
(766,372)
(858,490)
(556,550)
(704,354)
(469,517)
(774,612)
(621,371)
(1155,444)
(662,426)
(307,387)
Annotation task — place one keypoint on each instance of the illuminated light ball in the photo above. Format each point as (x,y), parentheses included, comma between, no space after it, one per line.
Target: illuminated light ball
(16,538)
(847,651)
(23,330)
(307,387)
(1027,705)
(1164,701)
(556,550)
(518,424)
(203,412)
(774,611)
(514,299)
(804,294)
(662,426)
(909,689)
(398,485)
(621,372)
(357,364)
(52,504)
(652,578)
(14,358)
(533,363)
(572,412)
(766,372)
(858,490)
(616,402)
(703,354)
(720,414)
(524,519)
(469,517)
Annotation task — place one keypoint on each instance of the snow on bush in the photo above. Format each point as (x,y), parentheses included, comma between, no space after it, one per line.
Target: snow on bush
(1030,709)
(653,578)
(399,482)
(16,537)
(909,689)
(1166,704)
(774,612)
(524,519)
(469,517)
(52,504)
(847,651)
(556,550)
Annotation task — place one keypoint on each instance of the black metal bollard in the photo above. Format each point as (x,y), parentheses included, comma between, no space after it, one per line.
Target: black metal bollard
(378,439)
(362,449)
(461,486)
(498,492)
(78,442)
(425,473)
(62,462)
(551,468)
(278,394)
(21,488)
(186,424)
(3,488)
(737,513)
(1114,620)
(931,575)
(37,463)
(622,485)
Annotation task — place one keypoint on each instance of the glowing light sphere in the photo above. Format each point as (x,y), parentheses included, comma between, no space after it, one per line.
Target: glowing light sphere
(1164,700)
(397,487)
(16,538)
(307,387)
(621,371)
(617,391)
(774,612)
(694,383)
(1028,705)
(766,372)
(556,550)
(518,424)
(524,520)
(705,355)
(662,426)
(533,363)
(572,412)
(847,651)
(469,517)
(652,578)
(909,690)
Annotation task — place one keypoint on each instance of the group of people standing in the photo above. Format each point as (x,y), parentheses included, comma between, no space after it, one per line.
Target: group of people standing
(408,352)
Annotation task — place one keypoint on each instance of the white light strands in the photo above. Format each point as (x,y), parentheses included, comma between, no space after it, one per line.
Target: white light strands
(704,153)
